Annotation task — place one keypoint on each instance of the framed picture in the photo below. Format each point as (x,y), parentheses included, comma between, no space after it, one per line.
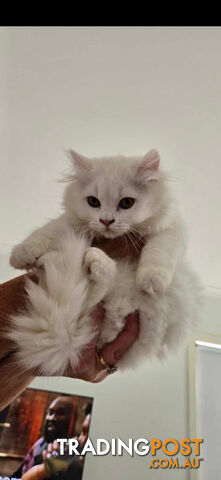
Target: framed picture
(205,403)
(35,419)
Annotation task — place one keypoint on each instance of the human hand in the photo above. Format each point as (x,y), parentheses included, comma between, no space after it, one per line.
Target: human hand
(38,472)
(90,368)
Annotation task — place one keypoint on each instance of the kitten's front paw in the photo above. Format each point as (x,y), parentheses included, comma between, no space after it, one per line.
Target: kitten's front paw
(153,280)
(100,267)
(23,256)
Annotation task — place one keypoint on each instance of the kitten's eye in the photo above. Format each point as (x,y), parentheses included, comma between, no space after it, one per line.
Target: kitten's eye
(93,202)
(126,202)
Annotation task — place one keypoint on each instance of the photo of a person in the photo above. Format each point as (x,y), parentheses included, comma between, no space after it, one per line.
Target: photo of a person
(62,416)
(71,469)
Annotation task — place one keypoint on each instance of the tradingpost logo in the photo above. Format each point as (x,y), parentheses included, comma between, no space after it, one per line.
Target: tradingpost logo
(163,453)
(170,448)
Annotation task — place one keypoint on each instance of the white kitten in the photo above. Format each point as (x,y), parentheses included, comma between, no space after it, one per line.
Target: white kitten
(107,197)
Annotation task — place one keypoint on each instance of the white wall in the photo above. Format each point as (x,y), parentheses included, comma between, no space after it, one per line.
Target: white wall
(117,90)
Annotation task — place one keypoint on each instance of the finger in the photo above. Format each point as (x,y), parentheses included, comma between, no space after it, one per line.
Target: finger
(50,448)
(98,315)
(96,373)
(89,351)
(44,454)
(111,353)
(38,472)
(93,376)
(116,349)
(100,376)
(55,445)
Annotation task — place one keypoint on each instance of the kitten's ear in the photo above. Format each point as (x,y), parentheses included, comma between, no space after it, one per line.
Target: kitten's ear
(82,165)
(149,167)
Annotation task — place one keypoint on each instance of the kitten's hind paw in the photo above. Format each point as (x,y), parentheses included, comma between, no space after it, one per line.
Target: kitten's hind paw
(100,267)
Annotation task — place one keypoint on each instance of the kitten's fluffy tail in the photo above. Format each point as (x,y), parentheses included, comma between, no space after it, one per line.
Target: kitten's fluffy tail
(51,333)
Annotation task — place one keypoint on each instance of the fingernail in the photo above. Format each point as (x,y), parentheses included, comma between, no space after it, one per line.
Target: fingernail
(117,355)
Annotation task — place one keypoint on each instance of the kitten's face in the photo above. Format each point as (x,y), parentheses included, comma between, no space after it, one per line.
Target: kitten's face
(113,196)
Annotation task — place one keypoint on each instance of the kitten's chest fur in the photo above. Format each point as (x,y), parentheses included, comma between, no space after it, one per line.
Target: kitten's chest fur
(123,297)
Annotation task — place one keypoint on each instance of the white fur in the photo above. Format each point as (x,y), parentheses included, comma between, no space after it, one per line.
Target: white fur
(159,283)
(57,324)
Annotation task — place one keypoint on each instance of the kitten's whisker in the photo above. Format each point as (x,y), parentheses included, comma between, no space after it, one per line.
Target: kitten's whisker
(138,239)
(126,242)
(138,235)
(128,234)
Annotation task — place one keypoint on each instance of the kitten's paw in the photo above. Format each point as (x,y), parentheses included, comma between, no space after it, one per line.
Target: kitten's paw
(24,256)
(153,280)
(100,267)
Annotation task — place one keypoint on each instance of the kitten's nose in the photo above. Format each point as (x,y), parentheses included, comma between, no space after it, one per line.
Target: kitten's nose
(106,222)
